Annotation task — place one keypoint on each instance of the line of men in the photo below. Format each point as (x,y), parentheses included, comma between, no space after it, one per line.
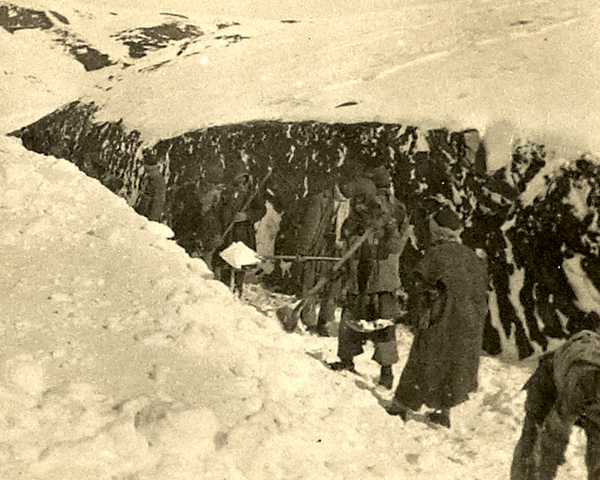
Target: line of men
(447,309)
(449,287)
(223,215)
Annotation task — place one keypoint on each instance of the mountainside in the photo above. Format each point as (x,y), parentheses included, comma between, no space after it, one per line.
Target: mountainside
(508,69)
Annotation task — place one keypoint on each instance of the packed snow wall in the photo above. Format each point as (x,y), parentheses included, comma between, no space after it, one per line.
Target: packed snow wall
(539,231)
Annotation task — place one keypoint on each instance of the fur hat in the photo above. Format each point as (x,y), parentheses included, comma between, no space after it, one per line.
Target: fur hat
(361,187)
(381,177)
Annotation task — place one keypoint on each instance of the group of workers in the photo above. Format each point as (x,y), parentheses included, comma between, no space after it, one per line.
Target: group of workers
(223,215)
(447,292)
(360,221)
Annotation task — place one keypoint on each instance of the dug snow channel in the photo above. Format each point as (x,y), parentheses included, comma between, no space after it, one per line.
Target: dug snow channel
(122,358)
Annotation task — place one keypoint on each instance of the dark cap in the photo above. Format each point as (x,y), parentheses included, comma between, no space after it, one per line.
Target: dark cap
(448,219)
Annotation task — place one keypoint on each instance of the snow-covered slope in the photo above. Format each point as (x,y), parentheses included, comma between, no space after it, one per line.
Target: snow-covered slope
(510,69)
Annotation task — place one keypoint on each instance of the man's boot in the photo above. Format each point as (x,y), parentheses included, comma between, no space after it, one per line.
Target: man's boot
(396,408)
(440,417)
(343,364)
(386,379)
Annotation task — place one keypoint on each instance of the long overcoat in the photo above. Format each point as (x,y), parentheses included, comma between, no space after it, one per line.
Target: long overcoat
(443,362)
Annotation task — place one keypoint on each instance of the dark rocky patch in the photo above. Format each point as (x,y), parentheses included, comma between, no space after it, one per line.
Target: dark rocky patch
(148,39)
(235,38)
(89,57)
(13,18)
(346,104)
(520,22)
(221,26)
(156,66)
(307,157)
(546,233)
(174,15)
(59,17)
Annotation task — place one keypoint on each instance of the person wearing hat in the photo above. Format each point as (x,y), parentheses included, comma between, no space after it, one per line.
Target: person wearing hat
(447,307)
(371,307)
(318,236)
(231,212)
(382,179)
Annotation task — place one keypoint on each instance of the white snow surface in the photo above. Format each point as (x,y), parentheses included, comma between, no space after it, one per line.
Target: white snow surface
(512,69)
(123,359)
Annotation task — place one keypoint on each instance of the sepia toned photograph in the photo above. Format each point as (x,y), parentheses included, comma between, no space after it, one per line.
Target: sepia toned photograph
(299,240)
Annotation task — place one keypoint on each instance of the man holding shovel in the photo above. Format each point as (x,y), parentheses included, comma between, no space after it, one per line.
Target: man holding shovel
(242,206)
(371,306)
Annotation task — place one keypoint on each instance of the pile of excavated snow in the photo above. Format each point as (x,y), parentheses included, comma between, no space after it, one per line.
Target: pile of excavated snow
(122,358)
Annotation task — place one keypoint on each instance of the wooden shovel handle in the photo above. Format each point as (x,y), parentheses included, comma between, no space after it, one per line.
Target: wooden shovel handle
(344,258)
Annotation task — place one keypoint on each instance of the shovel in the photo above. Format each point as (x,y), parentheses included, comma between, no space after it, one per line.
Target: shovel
(300,258)
(289,318)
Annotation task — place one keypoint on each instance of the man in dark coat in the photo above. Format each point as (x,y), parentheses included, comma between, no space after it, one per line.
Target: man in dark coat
(196,221)
(562,392)
(371,305)
(153,191)
(232,212)
(449,306)
(317,236)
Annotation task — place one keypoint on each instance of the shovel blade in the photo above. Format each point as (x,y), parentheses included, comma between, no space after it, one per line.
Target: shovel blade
(239,255)
(288,317)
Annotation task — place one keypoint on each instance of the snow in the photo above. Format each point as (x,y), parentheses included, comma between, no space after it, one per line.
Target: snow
(511,69)
(122,358)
